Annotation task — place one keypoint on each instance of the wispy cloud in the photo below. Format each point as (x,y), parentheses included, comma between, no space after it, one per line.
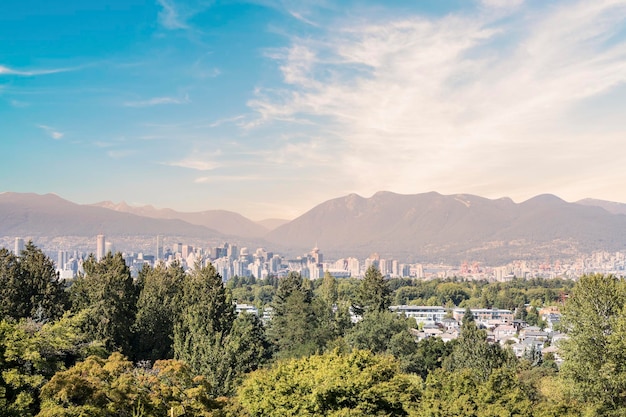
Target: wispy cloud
(226,121)
(51,131)
(157,101)
(31,73)
(175,15)
(464,98)
(229,178)
(197,163)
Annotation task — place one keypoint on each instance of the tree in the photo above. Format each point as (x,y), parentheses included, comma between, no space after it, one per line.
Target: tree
(108,295)
(294,325)
(247,345)
(464,393)
(430,355)
(30,286)
(113,387)
(388,333)
(158,306)
(201,330)
(595,353)
(359,384)
(472,351)
(373,293)
(30,354)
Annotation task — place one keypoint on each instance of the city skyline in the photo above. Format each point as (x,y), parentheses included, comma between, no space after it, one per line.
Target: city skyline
(266,108)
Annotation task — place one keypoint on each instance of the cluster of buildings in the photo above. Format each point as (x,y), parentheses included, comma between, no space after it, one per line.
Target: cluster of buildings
(231,260)
(500,324)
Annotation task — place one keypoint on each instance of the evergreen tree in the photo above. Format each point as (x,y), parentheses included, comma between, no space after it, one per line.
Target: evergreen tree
(158,307)
(472,351)
(294,326)
(30,285)
(200,333)
(595,353)
(373,293)
(108,295)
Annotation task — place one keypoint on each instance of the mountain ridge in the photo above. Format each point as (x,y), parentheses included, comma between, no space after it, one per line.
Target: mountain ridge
(414,227)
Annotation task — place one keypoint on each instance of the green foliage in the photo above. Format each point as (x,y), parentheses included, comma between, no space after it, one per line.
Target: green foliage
(30,354)
(108,296)
(30,286)
(464,393)
(357,384)
(112,387)
(294,324)
(200,333)
(211,339)
(373,293)
(158,307)
(451,292)
(430,355)
(388,333)
(472,351)
(595,353)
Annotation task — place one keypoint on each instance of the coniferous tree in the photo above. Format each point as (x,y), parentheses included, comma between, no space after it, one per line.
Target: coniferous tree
(595,353)
(373,293)
(201,330)
(294,323)
(472,351)
(107,293)
(30,285)
(158,307)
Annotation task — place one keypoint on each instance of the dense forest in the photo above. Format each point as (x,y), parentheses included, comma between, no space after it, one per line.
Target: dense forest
(170,343)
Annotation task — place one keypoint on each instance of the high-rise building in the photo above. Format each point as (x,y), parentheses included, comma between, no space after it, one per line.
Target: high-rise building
(108,247)
(159,248)
(61,259)
(19,246)
(100,247)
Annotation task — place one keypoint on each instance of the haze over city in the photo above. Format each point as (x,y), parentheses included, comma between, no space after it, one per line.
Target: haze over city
(269,107)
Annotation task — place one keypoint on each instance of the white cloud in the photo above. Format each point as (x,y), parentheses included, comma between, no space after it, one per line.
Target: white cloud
(169,17)
(51,131)
(175,15)
(196,163)
(229,178)
(31,73)
(462,103)
(502,3)
(156,101)
(227,120)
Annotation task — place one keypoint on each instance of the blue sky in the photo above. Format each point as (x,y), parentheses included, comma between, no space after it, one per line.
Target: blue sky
(269,107)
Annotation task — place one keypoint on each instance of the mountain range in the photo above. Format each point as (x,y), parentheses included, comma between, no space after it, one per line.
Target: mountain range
(427,227)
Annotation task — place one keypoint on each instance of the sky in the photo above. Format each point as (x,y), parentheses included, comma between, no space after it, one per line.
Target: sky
(270,107)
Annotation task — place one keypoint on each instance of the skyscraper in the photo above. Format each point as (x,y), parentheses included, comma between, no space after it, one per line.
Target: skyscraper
(159,248)
(100,247)
(19,246)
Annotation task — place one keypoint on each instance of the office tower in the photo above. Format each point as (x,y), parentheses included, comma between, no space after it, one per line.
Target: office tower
(108,247)
(159,248)
(186,250)
(19,246)
(100,247)
(61,259)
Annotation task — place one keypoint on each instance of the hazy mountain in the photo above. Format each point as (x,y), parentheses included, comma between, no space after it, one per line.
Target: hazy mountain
(49,215)
(420,227)
(271,224)
(225,222)
(435,227)
(610,206)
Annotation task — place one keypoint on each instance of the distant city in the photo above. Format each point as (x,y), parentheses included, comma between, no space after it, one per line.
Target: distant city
(231,260)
